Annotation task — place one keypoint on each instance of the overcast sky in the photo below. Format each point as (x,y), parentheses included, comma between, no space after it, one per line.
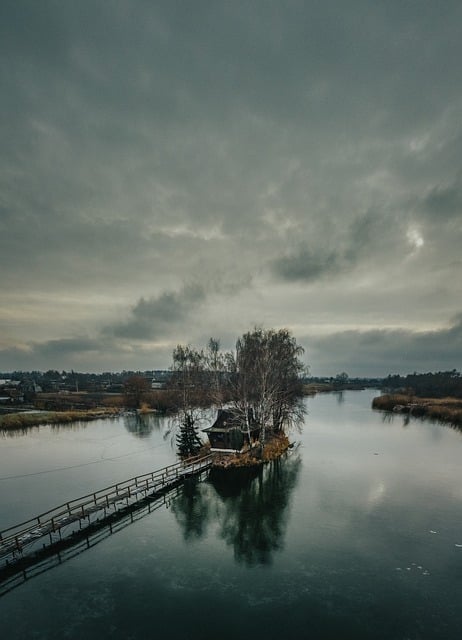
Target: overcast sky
(171,171)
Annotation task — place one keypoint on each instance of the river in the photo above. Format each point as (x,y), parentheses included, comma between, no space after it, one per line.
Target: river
(356,533)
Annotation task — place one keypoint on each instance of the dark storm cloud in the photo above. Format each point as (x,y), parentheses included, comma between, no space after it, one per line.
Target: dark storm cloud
(157,317)
(364,237)
(383,352)
(55,352)
(307,265)
(444,201)
(66,346)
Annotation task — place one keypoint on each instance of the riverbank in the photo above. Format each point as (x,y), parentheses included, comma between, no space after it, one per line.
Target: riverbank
(312,388)
(274,448)
(446,410)
(25,419)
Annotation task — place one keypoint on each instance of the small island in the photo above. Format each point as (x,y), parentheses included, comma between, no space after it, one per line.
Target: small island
(255,390)
(234,446)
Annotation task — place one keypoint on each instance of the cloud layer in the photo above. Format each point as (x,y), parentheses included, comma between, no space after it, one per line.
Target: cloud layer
(170,172)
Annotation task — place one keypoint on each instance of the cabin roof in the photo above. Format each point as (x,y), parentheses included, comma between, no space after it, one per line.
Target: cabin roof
(227,420)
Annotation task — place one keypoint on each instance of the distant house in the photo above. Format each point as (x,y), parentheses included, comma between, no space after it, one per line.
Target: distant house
(229,434)
(10,392)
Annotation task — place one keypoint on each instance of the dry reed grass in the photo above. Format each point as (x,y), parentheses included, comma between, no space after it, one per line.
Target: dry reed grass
(447,410)
(274,448)
(24,420)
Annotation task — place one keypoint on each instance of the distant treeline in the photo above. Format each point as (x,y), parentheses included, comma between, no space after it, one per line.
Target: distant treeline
(53,380)
(431,385)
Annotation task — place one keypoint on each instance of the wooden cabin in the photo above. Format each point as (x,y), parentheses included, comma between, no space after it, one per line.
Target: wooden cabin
(229,434)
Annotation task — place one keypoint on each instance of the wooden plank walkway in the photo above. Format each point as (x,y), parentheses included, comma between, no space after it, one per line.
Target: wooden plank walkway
(56,524)
(45,559)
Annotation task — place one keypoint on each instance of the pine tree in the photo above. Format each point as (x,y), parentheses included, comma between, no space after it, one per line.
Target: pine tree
(187,440)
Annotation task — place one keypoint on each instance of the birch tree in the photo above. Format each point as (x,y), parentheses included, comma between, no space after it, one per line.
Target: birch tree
(266,380)
(188,372)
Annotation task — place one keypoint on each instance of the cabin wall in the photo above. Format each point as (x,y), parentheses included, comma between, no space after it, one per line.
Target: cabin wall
(231,439)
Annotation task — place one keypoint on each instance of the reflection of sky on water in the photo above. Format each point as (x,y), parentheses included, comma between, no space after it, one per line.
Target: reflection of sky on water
(353,536)
(375,488)
(47,465)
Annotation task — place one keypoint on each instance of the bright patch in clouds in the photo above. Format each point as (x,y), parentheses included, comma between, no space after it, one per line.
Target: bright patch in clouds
(419,143)
(415,239)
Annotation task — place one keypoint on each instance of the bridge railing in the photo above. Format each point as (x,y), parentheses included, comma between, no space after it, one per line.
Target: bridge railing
(51,521)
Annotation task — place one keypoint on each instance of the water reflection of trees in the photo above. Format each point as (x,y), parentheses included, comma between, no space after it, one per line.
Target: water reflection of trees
(250,504)
(192,509)
(55,427)
(142,425)
(255,521)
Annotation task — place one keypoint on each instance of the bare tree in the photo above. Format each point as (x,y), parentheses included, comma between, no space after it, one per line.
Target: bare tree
(135,389)
(215,365)
(260,383)
(187,380)
(266,380)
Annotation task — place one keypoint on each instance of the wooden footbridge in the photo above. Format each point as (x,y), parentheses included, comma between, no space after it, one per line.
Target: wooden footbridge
(76,519)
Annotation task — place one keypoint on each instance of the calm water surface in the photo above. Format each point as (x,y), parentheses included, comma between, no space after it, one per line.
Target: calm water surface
(353,535)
